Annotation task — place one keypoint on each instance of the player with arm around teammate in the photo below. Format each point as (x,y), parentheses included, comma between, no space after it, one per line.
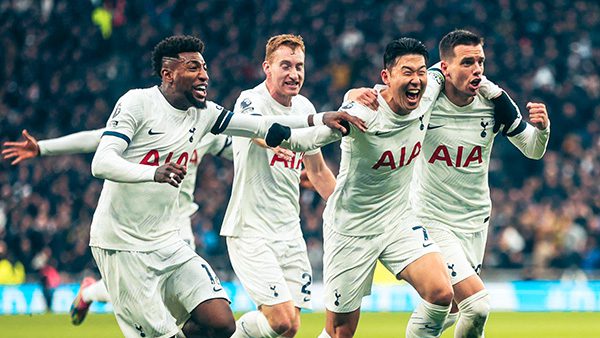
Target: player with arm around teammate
(155,281)
(368,217)
(451,192)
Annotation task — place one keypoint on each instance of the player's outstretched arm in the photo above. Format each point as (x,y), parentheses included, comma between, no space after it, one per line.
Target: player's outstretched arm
(77,143)
(109,164)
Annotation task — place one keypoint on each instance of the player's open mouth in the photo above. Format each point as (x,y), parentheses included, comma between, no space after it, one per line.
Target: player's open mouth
(200,91)
(474,84)
(412,96)
(292,84)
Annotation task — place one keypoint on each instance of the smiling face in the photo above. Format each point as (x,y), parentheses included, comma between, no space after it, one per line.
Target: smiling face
(406,81)
(285,73)
(190,78)
(463,71)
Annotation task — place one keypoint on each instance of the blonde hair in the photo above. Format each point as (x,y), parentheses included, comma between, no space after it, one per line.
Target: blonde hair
(289,40)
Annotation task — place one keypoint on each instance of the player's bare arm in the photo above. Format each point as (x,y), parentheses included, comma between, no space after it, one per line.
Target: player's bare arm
(340,120)
(22,150)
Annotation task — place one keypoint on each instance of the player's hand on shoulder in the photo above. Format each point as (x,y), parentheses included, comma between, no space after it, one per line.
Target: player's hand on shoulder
(171,173)
(538,115)
(21,151)
(341,121)
(365,96)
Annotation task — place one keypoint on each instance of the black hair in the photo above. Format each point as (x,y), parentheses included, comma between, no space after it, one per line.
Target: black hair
(172,46)
(455,38)
(401,47)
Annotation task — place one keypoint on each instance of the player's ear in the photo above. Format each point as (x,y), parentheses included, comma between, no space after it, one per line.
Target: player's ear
(385,76)
(266,68)
(166,74)
(444,68)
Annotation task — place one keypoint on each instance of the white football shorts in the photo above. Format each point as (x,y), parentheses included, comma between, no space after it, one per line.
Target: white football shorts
(153,292)
(462,252)
(272,272)
(349,261)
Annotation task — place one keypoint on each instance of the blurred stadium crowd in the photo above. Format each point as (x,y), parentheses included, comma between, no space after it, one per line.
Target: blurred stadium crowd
(65,63)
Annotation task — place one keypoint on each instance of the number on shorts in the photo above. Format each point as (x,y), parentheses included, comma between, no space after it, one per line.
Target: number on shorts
(305,289)
(425,235)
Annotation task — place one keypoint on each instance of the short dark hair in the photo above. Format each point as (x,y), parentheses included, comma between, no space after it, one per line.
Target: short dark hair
(172,46)
(401,47)
(455,38)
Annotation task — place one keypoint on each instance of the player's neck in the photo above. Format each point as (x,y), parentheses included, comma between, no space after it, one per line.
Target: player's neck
(456,97)
(175,100)
(284,100)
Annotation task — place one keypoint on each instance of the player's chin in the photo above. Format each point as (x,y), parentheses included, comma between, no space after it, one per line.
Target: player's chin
(200,104)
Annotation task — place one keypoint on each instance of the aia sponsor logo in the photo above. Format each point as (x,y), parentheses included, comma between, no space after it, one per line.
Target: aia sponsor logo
(387,158)
(442,154)
(294,163)
(152,158)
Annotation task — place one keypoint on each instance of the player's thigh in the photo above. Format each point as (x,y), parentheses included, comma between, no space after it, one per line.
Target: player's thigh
(293,258)
(463,253)
(191,284)
(258,269)
(348,268)
(134,289)
(405,244)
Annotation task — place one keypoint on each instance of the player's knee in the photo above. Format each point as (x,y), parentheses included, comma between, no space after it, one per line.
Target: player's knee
(281,324)
(344,332)
(477,307)
(440,295)
(224,328)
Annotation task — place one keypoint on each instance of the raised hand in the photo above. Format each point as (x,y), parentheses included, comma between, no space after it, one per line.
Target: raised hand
(538,115)
(171,173)
(21,150)
(341,121)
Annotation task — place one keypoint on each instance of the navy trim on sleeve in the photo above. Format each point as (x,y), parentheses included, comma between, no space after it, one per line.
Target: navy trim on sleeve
(117,134)
(518,129)
(222,122)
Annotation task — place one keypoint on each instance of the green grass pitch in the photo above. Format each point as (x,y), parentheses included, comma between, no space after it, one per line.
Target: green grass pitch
(501,324)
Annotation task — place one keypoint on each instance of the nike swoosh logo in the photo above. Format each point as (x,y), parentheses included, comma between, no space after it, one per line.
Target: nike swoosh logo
(306,299)
(217,289)
(150,132)
(430,127)
(378,133)
(426,245)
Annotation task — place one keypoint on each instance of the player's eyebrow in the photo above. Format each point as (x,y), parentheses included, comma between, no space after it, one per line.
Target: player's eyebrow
(412,69)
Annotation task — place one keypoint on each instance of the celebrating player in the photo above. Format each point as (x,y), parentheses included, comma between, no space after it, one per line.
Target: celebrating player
(262,223)
(369,217)
(87,142)
(451,194)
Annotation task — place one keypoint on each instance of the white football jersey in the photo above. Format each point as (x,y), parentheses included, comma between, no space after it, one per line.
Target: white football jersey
(451,184)
(143,216)
(210,144)
(265,195)
(376,167)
